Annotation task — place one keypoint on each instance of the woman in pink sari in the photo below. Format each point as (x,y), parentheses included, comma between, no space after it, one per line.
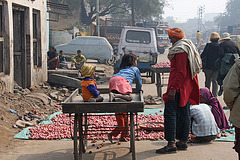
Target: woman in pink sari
(207,97)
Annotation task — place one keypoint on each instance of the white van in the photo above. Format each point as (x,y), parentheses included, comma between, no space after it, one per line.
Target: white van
(142,42)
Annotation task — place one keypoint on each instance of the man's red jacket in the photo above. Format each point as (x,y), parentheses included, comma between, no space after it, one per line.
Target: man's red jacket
(180,79)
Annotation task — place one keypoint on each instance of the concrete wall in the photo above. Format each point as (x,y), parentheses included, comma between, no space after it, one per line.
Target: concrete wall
(35,74)
(59,37)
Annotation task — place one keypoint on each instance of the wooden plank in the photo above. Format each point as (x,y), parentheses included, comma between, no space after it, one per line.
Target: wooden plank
(113,107)
(72,96)
(75,104)
(64,80)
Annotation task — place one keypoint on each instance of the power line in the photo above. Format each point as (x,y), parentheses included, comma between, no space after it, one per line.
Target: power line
(200,16)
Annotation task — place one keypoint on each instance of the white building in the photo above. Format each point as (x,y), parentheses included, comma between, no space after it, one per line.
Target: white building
(23,43)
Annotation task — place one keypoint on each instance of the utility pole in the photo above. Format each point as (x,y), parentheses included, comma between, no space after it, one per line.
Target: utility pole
(98,20)
(132,9)
(200,16)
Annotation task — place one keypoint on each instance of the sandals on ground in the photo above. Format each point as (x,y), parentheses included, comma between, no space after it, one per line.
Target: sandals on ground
(166,150)
(181,146)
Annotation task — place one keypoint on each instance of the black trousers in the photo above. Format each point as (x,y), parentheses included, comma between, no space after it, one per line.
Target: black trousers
(177,120)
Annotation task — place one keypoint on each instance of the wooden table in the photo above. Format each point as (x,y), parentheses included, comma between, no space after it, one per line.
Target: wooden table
(159,84)
(75,104)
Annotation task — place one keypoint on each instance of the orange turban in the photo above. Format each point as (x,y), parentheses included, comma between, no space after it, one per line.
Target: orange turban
(176,33)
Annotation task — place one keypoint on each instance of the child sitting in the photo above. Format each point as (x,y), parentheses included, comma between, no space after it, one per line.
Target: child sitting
(89,86)
(120,86)
(63,63)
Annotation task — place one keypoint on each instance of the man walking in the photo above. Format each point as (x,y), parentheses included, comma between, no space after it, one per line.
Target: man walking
(183,89)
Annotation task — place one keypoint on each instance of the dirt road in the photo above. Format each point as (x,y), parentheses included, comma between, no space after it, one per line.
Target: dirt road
(63,149)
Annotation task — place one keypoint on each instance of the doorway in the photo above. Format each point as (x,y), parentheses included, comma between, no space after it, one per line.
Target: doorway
(19,43)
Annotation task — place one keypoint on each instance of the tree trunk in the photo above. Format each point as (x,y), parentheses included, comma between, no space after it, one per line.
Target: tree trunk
(84,18)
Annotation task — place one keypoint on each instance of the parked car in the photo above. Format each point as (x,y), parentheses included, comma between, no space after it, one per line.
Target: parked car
(92,47)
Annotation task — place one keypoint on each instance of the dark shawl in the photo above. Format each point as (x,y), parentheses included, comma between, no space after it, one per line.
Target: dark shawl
(217,109)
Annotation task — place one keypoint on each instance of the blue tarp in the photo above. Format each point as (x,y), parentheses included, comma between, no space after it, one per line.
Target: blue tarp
(24,134)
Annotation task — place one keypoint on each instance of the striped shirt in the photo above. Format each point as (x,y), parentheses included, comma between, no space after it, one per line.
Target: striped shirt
(203,123)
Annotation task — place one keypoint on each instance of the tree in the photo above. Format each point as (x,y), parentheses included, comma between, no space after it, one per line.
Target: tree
(144,9)
(231,16)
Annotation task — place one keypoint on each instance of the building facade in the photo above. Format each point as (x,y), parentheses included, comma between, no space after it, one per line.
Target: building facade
(23,43)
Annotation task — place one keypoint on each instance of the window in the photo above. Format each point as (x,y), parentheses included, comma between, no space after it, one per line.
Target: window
(138,37)
(161,31)
(37,54)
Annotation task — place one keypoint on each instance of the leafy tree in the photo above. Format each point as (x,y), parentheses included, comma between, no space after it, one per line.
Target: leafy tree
(144,9)
(231,16)
(149,9)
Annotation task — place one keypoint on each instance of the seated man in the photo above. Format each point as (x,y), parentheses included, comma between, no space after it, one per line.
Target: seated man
(78,60)
(53,59)
(204,126)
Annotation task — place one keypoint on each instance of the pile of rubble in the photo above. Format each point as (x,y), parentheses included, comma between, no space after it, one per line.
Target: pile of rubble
(26,107)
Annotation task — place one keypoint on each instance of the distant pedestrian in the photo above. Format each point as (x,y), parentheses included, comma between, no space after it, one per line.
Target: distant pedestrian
(198,35)
(120,86)
(231,97)
(230,52)
(78,60)
(183,89)
(199,40)
(209,56)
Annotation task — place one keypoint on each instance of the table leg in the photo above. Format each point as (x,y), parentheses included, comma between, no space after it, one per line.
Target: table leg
(80,137)
(76,156)
(158,85)
(161,85)
(85,133)
(137,123)
(132,136)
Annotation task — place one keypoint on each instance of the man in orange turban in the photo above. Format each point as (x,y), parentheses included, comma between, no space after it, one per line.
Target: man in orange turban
(183,89)
(176,32)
